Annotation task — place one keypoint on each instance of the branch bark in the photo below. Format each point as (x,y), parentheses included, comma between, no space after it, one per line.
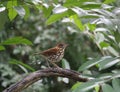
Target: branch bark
(35,76)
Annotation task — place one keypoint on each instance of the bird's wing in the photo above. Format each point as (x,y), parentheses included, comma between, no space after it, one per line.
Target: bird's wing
(51,51)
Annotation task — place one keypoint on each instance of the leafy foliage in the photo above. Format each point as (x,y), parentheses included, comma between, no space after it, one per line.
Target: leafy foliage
(91,28)
(7,75)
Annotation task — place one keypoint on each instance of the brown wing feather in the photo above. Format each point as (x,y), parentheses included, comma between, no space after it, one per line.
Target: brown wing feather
(51,51)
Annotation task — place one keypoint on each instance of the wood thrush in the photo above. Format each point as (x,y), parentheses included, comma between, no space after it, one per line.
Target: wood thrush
(54,54)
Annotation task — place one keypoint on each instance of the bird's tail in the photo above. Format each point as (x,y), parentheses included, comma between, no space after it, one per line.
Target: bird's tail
(39,53)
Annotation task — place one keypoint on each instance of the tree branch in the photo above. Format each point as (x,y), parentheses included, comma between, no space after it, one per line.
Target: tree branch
(35,76)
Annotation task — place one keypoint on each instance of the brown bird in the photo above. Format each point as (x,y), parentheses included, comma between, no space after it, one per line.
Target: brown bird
(54,54)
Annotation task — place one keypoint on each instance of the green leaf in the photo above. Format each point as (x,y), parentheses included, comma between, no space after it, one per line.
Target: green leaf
(11,11)
(99,37)
(109,1)
(88,85)
(71,12)
(2,47)
(73,3)
(97,88)
(104,44)
(116,75)
(27,12)
(92,27)
(90,16)
(16,62)
(113,51)
(16,40)
(103,63)
(107,88)
(23,68)
(92,62)
(55,17)
(55,1)
(78,22)
(76,85)
(91,5)
(100,29)
(108,62)
(105,76)
(20,10)
(105,13)
(47,11)
(117,36)
(116,84)
(65,64)
(3,18)
(11,3)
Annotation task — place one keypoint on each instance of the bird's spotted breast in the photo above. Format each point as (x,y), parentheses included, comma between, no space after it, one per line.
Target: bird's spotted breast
(56,57)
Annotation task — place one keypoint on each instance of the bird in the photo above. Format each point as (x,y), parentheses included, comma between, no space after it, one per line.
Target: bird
(54,54)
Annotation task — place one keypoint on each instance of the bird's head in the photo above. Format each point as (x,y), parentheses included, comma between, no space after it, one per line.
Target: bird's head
(62,45)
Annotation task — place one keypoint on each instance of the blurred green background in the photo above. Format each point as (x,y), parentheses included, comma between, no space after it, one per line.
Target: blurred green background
(90,27)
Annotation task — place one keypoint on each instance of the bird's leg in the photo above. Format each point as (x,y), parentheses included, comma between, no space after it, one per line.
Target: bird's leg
(47,63)
(55,65)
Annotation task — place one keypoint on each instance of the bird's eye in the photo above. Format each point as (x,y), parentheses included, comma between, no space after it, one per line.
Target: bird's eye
(61,45)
